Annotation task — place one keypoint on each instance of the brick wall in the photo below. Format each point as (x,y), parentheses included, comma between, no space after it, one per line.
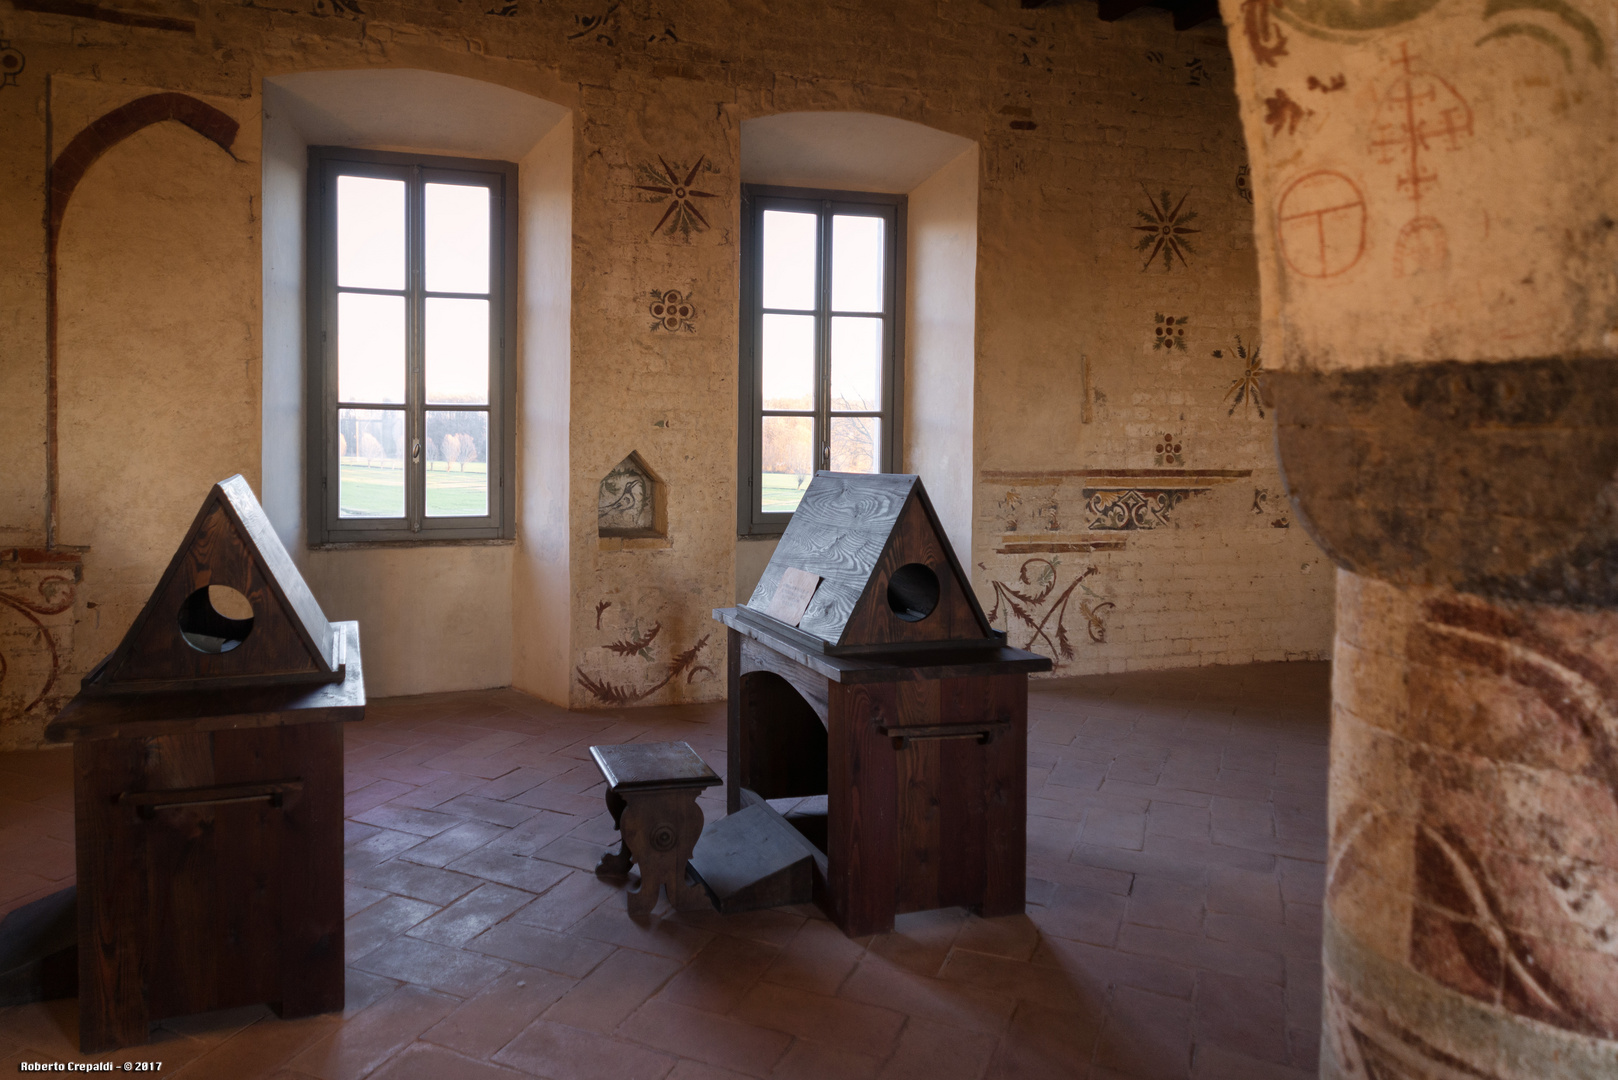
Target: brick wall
(1083,128)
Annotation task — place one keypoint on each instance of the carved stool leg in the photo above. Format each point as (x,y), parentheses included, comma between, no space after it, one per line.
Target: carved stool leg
(616,863)
(661,828)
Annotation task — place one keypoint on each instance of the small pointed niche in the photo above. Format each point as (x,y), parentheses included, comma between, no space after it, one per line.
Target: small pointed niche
(631,510)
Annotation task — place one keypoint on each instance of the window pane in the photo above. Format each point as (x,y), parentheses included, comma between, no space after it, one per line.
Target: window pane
(370,454)
(457,351)
(856,364)
(856,263)
(789,260)
(370,233)
(457,464)
(370,348)
(789,457)
(856,443)
(789,362)
(457,238)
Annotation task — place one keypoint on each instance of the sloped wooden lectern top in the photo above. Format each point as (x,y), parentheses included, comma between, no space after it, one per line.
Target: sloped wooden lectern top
(231,542)
(888,575)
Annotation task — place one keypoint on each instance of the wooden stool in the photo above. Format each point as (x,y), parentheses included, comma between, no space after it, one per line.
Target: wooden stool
(652,791)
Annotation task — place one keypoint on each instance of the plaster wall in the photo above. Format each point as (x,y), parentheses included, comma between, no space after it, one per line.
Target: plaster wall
(1081,128)
(451,629)
(1452,139)
(158,367)
(940,340)
(542,570)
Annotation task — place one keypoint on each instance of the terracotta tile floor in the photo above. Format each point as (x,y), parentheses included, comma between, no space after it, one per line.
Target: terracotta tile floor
(1176,834)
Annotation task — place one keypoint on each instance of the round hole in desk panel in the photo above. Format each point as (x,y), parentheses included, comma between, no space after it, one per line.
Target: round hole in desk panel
(215,619)
(913,591)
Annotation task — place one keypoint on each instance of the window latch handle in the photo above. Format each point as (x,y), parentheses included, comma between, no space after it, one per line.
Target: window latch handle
(415,452)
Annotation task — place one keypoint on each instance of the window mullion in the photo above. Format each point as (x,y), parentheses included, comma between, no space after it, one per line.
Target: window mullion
(415,382)
(823,339)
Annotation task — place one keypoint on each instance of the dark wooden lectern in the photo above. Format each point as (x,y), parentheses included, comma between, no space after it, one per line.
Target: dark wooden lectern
(208,793)
(890,694)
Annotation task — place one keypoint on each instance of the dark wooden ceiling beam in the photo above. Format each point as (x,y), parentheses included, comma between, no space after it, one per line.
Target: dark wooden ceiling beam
(1113,10)
(1190,13)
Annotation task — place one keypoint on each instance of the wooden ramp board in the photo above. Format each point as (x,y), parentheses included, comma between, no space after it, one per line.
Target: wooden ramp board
(39,950)
(753,859)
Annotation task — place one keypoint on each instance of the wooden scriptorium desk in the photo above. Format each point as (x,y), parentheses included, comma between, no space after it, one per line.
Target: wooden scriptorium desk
(863,669)
(208,790)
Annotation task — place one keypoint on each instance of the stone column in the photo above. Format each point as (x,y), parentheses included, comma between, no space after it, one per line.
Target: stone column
(1436,187)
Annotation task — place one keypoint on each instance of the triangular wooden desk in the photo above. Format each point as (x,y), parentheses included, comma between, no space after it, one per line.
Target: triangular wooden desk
(892,696)
(208,764)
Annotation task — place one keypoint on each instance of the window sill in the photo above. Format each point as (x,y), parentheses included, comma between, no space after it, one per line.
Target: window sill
(354,545)
(634,543)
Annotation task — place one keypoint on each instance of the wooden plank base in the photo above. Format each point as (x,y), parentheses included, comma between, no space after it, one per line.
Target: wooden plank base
(751,860)
(187,907)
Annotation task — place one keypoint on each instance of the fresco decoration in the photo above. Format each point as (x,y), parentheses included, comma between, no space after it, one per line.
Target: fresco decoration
(599,29)
(1169,451)
(505,9)
(1320,224)
(1048,514)
(1244,389)
(673,311)
(1133,509)
(1169,333)
(1347,20)
(343,9)
(1261,508)
(681,664)
(1508,902)
(1244,182)
(12,61)
(1033,605)
(1581,25)
(1328,86)
(673,183)
(1419,113)
(1006,509)
(637,643)
(37,593)
(1280,111)
(626,500)
(1264,36)
(601,606)
(1166,229)
(1369,1042)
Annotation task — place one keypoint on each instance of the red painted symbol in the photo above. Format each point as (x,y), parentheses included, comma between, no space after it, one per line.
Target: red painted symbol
(1321,226)
(1420,112)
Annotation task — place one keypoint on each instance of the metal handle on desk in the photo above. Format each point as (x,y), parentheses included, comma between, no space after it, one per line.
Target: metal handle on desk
(278,793)
(984,732)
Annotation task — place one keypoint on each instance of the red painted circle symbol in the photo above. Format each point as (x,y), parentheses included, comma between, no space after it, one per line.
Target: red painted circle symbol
(1321,224)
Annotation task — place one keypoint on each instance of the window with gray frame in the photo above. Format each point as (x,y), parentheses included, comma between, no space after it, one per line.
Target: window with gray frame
(821,333)
(411,382)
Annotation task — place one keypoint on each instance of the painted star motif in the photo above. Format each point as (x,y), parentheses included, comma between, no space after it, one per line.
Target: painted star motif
(682,214)
(1244,389)
(1165,231)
